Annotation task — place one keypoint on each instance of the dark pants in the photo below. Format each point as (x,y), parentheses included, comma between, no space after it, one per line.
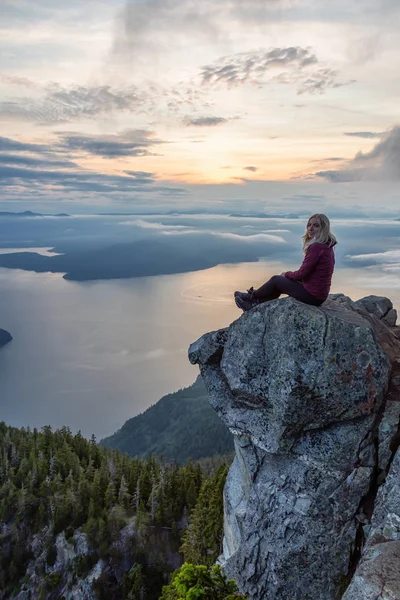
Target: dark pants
(278,284)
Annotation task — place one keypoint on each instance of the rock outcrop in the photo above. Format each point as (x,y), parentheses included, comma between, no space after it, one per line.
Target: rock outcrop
(309,395)
(58,580)
(5,337)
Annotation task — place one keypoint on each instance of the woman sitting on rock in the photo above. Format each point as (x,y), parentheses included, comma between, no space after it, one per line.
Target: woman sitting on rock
(312,282)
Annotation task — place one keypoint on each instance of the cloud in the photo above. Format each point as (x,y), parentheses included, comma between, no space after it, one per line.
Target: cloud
(38,166)
(382,163)
(255,238)
(305,198)
(164,25)
(384,270)
(65,177)
(365,49)
(128,143)
(251,66)
(17,81)
(29,161)
(7,144)
(158,22)
(79,180)
(62,104)
(156,226)
(140,174)
(296,66)
(250,168)
(54,103)
(388,261)
(319,81)
(154,354)
(365,134)
(205,121)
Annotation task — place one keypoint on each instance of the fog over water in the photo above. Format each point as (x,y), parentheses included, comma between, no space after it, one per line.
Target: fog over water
(91,355)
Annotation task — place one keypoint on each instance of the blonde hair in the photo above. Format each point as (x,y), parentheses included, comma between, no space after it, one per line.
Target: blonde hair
(325,235)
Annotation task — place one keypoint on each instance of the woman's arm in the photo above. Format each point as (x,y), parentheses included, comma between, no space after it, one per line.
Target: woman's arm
(308,264)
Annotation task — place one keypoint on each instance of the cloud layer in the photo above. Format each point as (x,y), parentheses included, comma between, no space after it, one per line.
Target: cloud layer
(59,104)
(50,170)
(382,163)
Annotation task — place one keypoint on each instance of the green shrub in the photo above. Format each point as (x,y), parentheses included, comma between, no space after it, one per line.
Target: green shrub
(199,582)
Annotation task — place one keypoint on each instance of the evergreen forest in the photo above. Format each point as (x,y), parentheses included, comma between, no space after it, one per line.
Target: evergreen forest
(74,516)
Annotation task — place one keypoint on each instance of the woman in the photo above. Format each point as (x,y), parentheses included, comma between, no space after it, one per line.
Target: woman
(312,282)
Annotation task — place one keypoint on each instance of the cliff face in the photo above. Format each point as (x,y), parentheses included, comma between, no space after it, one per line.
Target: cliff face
(308,394)
(378,573)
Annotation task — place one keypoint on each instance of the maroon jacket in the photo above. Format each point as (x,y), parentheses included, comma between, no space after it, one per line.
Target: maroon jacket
(316,270)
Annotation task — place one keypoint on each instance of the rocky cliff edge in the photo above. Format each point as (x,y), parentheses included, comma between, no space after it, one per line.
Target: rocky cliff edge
(312,396)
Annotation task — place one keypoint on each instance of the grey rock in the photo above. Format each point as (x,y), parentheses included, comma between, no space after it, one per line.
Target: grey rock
(388,429)
(386,518)
(390,318)
(208,349)
(81,545)
(83,590)
(378,577)
(339,299)
(302,389)
(378,573)
(376,305)
(298,367)
(67,552)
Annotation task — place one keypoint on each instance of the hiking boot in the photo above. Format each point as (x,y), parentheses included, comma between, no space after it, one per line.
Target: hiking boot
(247,297)
(244,304)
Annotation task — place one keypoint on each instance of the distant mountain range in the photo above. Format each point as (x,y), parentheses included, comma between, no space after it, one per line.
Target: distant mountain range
(29,213)
(179,427)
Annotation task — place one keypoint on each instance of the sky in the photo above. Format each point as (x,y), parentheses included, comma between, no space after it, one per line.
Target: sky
(275,105)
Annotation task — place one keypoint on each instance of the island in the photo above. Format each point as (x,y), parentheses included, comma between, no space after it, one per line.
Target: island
(5,337)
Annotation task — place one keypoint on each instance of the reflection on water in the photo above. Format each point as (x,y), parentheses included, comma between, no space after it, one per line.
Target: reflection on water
(91,355)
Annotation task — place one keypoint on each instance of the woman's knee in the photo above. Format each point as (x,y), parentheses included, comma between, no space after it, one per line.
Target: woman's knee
(276,279)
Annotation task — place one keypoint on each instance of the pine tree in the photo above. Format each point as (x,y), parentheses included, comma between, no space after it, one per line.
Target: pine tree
(123,495)
(202,539)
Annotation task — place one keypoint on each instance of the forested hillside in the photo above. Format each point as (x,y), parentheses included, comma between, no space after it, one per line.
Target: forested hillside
(77,516)
(180,426)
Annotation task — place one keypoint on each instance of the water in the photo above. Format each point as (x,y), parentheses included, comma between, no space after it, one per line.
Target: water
(92,355)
